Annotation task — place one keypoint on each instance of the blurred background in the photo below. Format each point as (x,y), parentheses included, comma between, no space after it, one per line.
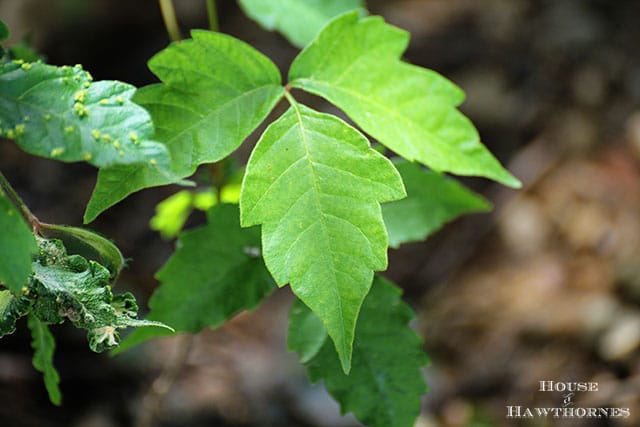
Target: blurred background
(546,287)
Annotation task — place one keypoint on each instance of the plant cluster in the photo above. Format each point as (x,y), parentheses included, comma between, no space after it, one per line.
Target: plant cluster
(316,206)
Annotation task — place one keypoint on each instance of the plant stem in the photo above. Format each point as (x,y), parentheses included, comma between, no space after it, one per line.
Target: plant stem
(212,12)
(289,97)
(170,21)
(216,170)
(13,197)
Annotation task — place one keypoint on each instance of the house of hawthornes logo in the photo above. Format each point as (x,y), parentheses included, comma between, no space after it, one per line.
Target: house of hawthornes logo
(566,408)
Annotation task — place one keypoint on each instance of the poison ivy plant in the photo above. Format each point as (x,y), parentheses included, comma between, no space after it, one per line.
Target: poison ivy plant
(327,203)
(298,20)
(60,113)
(384,386)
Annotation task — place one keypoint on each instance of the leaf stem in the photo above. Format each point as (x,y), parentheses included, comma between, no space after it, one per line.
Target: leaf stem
(170,21)
(290,98)
(15,199)
(212,12)
(216,170)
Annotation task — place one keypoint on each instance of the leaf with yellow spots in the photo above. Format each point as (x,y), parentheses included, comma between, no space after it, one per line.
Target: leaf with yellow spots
(58,112)
(215,91)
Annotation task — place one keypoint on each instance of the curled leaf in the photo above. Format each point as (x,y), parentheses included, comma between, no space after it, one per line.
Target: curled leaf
(68,287)
(88,244)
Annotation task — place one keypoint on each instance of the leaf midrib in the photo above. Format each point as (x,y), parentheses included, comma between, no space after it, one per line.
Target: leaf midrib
(379,383)
(314,181)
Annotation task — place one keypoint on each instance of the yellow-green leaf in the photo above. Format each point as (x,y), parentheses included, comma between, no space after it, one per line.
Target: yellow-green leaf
(355,64)
(315,185)
(215,91)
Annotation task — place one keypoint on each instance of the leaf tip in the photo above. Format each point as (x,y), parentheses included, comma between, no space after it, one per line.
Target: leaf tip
(89,215)
(512,182)
(345,362)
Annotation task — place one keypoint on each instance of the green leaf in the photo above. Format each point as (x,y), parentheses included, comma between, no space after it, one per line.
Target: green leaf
(172,213)
(68,287)
(216,272)
(11,309)
(58,112)
(4,31)
(298,20)
(17,245)
(117,182)
(307,334)
(205,200)
(432,200)
(315,185)
(88,244)
(24,51)
(215,91)
(355,64)
(44,345)
(230,191)
(386,382)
